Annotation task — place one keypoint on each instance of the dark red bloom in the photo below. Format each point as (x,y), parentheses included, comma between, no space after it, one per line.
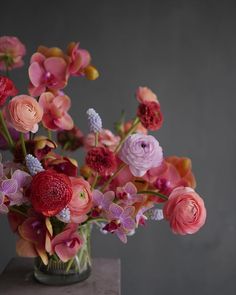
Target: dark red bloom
(7,88)
(149,113)
(101,160)
(50,192)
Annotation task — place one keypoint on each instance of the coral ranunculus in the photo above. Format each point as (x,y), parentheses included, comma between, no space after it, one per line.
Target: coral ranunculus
(25,113)
(185,210)
(81,201)
(55,116)
(144,94)
(50,192)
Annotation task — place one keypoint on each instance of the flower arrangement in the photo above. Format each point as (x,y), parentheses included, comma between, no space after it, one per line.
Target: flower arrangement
(125,180)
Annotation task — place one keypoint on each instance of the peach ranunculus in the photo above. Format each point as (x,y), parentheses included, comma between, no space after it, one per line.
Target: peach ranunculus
(81,202)
(144,94)
(105,139)
(55,116)
(47,73)
(185,210)
(11,53)
(24,113)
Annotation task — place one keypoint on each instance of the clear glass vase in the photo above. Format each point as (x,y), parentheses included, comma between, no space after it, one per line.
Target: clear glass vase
(75,270)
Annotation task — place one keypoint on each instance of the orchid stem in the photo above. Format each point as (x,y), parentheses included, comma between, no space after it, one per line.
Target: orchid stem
(122,166)
(131,130)
(69,264)
(95,180)
(12,209)
(22,140)
(5,130)
(164,197)
(50,134)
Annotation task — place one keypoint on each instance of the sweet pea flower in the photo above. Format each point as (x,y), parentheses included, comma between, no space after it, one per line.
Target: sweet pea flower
(105,139)
(24,113)
(185,210)
(101,202)
(141,152)
(121,221)
(67,244)
(128,194)
(11,53)
(55,115)
(47,73)
(81,201)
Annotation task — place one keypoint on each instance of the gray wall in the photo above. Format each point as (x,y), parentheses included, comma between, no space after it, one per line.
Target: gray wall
(185,51)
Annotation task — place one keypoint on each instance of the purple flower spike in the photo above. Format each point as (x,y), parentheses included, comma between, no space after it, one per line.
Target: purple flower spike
(94,121)
(101,202)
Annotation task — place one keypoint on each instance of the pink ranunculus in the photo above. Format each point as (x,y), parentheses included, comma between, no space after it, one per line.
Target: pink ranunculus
(11,53)
(47,73)
(67,244)
(25,113)
(144,94)
(185,210)
(141,153)
(81,202)
(55,111)
(105,139)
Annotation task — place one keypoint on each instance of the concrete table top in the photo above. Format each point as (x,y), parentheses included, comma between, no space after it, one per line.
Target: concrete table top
(17,279)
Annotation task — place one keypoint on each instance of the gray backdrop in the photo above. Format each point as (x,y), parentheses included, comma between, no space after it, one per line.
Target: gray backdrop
(185,51)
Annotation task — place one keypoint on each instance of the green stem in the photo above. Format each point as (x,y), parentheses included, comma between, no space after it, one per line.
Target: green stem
(12,209)
(6,131)
(49,134)
(95,180)
(95,220)
(164,197)
(122,166)
(70,262)
(22,140)
(131,130)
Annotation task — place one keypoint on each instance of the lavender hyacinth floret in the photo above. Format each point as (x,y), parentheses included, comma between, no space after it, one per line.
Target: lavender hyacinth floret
(94,121)
(33,164)
(64,215)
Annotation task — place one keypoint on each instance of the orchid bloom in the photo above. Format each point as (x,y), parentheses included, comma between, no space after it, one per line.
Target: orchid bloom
(55,111)
(128,194)
(67,244)
(46,73)
(101,202)
(121,221)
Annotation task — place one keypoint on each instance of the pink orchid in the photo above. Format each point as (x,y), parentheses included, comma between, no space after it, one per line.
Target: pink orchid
(38,232)
(121,221)
(128,194)
(47,73)
(80,59)
(101,202)
(55,109)
(67,244)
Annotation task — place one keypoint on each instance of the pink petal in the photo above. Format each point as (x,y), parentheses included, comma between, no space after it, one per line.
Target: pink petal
(65,122)
(128,211)
(130,188)
(121,235)
(65,253)
(9,186)
(115,211)
(62,102)
(46,99)
(36,73)
(128,224)
(97,197)
(56,66)
(25,248)
(37,57)
(23,179)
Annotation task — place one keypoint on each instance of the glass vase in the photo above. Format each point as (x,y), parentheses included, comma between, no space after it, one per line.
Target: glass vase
(75,270)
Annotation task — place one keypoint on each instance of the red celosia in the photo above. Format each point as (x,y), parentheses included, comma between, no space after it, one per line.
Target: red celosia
(150,115)
(101,160)
(50,192)
(7,88)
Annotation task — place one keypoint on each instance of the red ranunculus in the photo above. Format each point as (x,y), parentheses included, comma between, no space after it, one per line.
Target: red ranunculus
(50,192)
(7,88)
(150,115)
